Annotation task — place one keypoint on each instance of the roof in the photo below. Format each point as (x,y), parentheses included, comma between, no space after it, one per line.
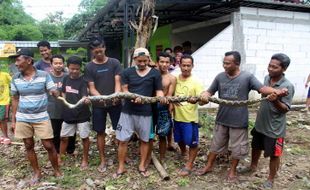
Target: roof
(112,20)
(28,44)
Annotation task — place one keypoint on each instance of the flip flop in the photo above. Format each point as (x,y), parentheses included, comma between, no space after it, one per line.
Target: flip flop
(185,172)
(202,172)
(144,173)
(234,179)
(102,169)
(245,170)
(117,175)
(6,141)
(34,181)
(266,185)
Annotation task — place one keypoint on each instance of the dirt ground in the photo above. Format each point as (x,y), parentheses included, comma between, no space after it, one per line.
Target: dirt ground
(294,173)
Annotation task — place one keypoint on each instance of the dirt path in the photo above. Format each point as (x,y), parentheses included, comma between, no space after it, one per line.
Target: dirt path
(294,172)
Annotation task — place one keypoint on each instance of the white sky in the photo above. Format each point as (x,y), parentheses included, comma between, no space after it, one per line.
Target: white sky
(38,9)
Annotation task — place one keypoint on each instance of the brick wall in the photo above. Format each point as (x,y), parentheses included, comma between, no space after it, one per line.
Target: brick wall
(271,31)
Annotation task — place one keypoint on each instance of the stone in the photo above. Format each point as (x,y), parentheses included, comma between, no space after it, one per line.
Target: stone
(21,184)
(90,182)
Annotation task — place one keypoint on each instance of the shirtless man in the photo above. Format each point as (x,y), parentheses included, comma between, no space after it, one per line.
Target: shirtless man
(163,119)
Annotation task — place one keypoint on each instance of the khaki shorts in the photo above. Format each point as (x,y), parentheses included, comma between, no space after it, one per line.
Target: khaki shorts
(235,138)
(68,130)
(42,130)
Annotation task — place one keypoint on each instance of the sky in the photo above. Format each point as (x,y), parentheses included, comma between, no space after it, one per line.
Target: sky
(38,9)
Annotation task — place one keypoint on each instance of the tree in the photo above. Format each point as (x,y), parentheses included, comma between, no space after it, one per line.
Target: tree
(25,33)
(51,31)
(15,24)
(13,13)
(52,26)
(87,9)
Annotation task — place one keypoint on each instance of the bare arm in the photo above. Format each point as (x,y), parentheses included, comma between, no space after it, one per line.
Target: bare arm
(92,89)
(171,91)
(283,108)
(266,90)
(125,88)
(117,87)
(171,88)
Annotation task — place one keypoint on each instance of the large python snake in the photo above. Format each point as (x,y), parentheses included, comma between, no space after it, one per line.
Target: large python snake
(113,98)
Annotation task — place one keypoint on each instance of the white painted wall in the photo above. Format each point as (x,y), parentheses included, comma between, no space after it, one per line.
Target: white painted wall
(265,32)
(208,58)
(272,31)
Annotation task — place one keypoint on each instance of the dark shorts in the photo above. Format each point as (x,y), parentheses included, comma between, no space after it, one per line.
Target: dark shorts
(308,96)
(164,122)
(270,146)
(100,117)
(187,133)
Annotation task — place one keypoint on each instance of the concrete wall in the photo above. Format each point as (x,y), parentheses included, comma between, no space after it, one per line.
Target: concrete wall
(258,34)
(272,31)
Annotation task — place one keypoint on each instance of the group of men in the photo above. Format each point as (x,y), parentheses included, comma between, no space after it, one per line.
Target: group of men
(104,76)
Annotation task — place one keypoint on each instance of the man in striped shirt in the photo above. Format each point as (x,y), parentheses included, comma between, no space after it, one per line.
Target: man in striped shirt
(29,89)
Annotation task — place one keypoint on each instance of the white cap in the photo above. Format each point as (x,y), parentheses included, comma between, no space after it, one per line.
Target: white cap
(141,52)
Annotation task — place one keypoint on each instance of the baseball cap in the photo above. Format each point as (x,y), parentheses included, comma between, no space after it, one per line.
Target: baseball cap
(141,52)
(23,51)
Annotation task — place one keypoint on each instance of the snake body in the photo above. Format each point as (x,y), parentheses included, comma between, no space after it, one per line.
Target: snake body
(113,98)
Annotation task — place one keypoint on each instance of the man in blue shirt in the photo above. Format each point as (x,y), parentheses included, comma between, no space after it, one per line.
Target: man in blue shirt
(29,110)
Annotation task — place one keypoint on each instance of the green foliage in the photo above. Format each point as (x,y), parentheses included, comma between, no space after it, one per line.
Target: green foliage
(3,33)
(16,24)
(12,13)
(25,33)
(51,31)
(183,182)
(87,9)
(81,52)
(206,122)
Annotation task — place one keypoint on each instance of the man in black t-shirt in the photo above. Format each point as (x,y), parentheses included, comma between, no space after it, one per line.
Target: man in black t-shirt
(103,77)
(137,117)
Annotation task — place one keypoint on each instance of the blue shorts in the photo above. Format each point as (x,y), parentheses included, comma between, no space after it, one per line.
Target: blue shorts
(308,93)
(187,133)
(100,117)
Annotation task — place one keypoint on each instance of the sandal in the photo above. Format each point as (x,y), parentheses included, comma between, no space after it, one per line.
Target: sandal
(266,185)
(203,172)
(233,179)
(144,173)
(185,171)
(117,175)
(34,181)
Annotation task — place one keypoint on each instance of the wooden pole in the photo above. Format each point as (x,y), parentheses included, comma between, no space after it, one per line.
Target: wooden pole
(160,168)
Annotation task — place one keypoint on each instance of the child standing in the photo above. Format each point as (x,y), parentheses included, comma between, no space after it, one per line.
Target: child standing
(74,88)
(5,80)
(55,107)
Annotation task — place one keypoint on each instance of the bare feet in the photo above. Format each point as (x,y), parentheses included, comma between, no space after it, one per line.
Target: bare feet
(58,174)
(102,168)
(84,165)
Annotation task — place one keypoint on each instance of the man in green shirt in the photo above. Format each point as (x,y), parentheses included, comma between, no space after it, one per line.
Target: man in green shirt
(270,126)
